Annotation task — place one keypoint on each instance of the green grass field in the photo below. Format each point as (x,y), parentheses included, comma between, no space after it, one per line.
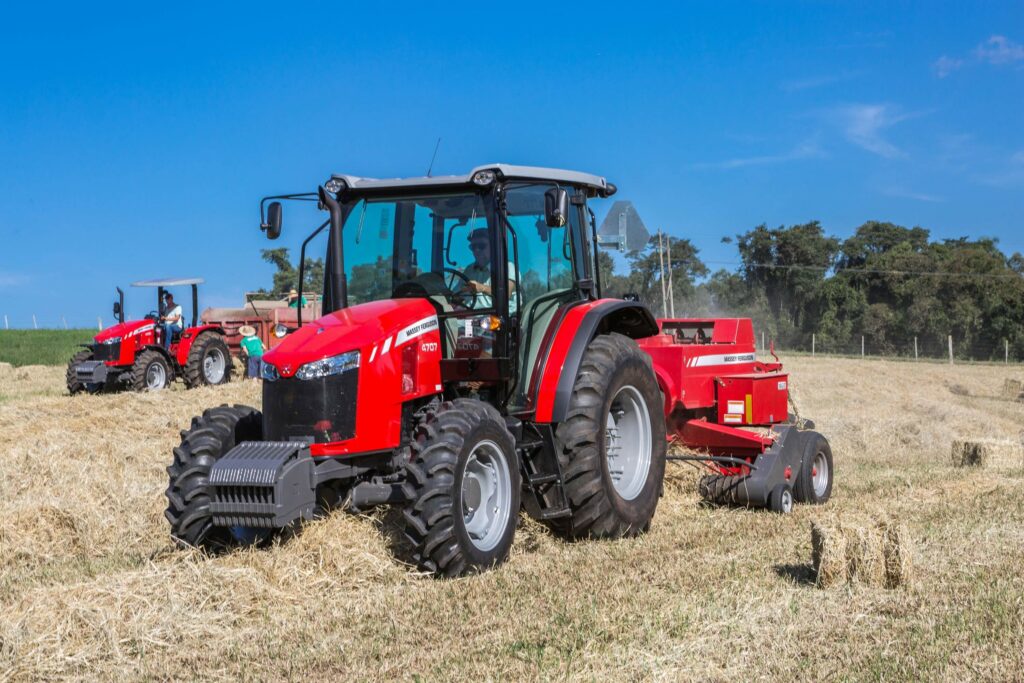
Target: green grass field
(41,347)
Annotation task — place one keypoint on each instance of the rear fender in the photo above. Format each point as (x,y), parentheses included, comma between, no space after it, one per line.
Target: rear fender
(189,336)
(575,332)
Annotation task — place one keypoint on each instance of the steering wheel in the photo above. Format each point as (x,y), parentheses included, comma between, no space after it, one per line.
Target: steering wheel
(463,298)
(152,315)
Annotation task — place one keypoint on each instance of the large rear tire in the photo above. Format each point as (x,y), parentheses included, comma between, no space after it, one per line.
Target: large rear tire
(188,493)
(151,371)
(464,489)
(612,444)
(209,361)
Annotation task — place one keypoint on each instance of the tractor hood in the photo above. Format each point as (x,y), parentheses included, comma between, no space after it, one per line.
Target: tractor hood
(128,328)
(359,328)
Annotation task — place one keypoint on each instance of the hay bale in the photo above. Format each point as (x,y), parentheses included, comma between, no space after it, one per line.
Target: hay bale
(987,452)
(969,453)
(864,555)
(958,389)
(828,555)
(1013,389)
(896,549)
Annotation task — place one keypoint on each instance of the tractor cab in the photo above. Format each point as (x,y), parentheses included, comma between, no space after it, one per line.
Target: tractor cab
(134,353)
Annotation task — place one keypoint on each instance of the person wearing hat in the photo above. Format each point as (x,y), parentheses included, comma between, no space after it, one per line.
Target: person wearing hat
(479,272)
(170,320)
(294,301)
(253,348)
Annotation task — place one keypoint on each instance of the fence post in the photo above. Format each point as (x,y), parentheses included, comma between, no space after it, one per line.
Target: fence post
(862,346)
(950,339)
(65,321)
(915,348)
(7,325)
(812,343)
(763,348)
(99,323)
(1006,351)
(35,325)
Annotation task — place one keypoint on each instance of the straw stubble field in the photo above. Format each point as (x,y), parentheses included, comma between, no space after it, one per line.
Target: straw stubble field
(90,586)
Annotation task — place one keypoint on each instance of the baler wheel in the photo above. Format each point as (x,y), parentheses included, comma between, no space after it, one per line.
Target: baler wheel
(74,386)
(813,482)
(463,486)
(188,493)
(151,371)
(612,445)
(209,361)
(781,499)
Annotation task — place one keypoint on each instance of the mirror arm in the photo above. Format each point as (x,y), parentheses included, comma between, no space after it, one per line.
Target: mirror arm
(302,269)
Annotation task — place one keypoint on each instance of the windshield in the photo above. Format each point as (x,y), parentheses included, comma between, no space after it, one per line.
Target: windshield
(435,245)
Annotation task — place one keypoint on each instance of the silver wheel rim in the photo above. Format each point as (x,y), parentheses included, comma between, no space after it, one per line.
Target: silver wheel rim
(628,442)
(819,474)
(486,495)
(213,366)
(156,376)
(787,500)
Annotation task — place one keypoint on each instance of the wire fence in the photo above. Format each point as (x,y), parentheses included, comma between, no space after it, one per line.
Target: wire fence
(923,348)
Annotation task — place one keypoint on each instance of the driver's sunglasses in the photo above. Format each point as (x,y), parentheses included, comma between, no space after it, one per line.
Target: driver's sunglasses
(478,246)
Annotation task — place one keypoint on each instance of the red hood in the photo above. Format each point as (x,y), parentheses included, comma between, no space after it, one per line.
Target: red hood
(126,329)
(356,328)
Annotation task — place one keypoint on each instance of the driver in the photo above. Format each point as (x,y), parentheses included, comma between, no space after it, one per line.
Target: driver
(170,321)
(478,273)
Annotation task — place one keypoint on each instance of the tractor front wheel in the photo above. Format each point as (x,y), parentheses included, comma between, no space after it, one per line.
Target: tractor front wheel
(189,493)
(612,444)
(463,489)
(209,361)
(151,371)
(74,386)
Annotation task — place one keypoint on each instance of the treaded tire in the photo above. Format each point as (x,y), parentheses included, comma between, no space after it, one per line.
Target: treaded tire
(611,361)
(74,386)
(141,367)
(210,436)
(813,444)
(433,518)
(205,344)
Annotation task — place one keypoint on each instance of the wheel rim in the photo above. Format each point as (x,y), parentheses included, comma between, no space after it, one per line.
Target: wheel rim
(213,366)
(628,442)
(486,495)
(787,500)
(156,375)
(820,473)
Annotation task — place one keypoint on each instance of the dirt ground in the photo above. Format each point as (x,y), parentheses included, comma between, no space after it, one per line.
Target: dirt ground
(91,587)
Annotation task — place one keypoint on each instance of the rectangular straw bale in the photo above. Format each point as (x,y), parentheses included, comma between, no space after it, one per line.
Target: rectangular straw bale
(828,555)
(896,549)
(969,453)
(1012,388)
(864,555)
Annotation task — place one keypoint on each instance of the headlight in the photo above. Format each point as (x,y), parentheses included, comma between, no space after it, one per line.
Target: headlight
(483,177)
(335,365)
(334,185)
(280,331)
(112,340)
(269,372)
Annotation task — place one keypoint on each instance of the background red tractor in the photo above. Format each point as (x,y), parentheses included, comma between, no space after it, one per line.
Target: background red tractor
(131,353)
(466,366)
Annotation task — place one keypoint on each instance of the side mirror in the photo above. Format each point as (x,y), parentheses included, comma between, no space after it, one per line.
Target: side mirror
(273,224)
(117,309)
(556,207)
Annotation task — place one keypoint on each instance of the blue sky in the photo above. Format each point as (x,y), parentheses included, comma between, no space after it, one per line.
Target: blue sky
(135,142)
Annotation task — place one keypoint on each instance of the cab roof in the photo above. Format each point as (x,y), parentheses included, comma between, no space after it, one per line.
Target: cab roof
(169,282)
(596,184)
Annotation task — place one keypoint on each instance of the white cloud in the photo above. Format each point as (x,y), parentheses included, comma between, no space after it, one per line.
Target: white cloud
(864,124)
(11,280)
(808,149)
(904,193)
(946,65)
(1000,50)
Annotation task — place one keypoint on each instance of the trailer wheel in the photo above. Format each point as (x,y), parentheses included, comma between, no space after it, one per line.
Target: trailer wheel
(612,445)
(210,436)
(151,371)
(814,480)
(209,361)
(463,486)
(781,499)
(74,386)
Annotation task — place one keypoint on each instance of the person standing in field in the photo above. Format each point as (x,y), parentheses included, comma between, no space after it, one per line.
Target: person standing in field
(253,348)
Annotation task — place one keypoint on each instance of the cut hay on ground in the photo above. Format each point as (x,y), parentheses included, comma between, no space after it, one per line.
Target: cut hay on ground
(987,452)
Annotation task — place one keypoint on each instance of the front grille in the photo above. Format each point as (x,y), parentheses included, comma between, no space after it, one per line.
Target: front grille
(323,408)
(106,352)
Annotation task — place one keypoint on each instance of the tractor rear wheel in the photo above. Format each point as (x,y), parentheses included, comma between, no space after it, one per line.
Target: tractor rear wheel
(188,493)
(209,361)
(151,371)
(814,479)
(612,444)
(74,386)
(463,486)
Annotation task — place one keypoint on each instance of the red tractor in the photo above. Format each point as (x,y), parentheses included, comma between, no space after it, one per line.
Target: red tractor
(466,366)
(131,354)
